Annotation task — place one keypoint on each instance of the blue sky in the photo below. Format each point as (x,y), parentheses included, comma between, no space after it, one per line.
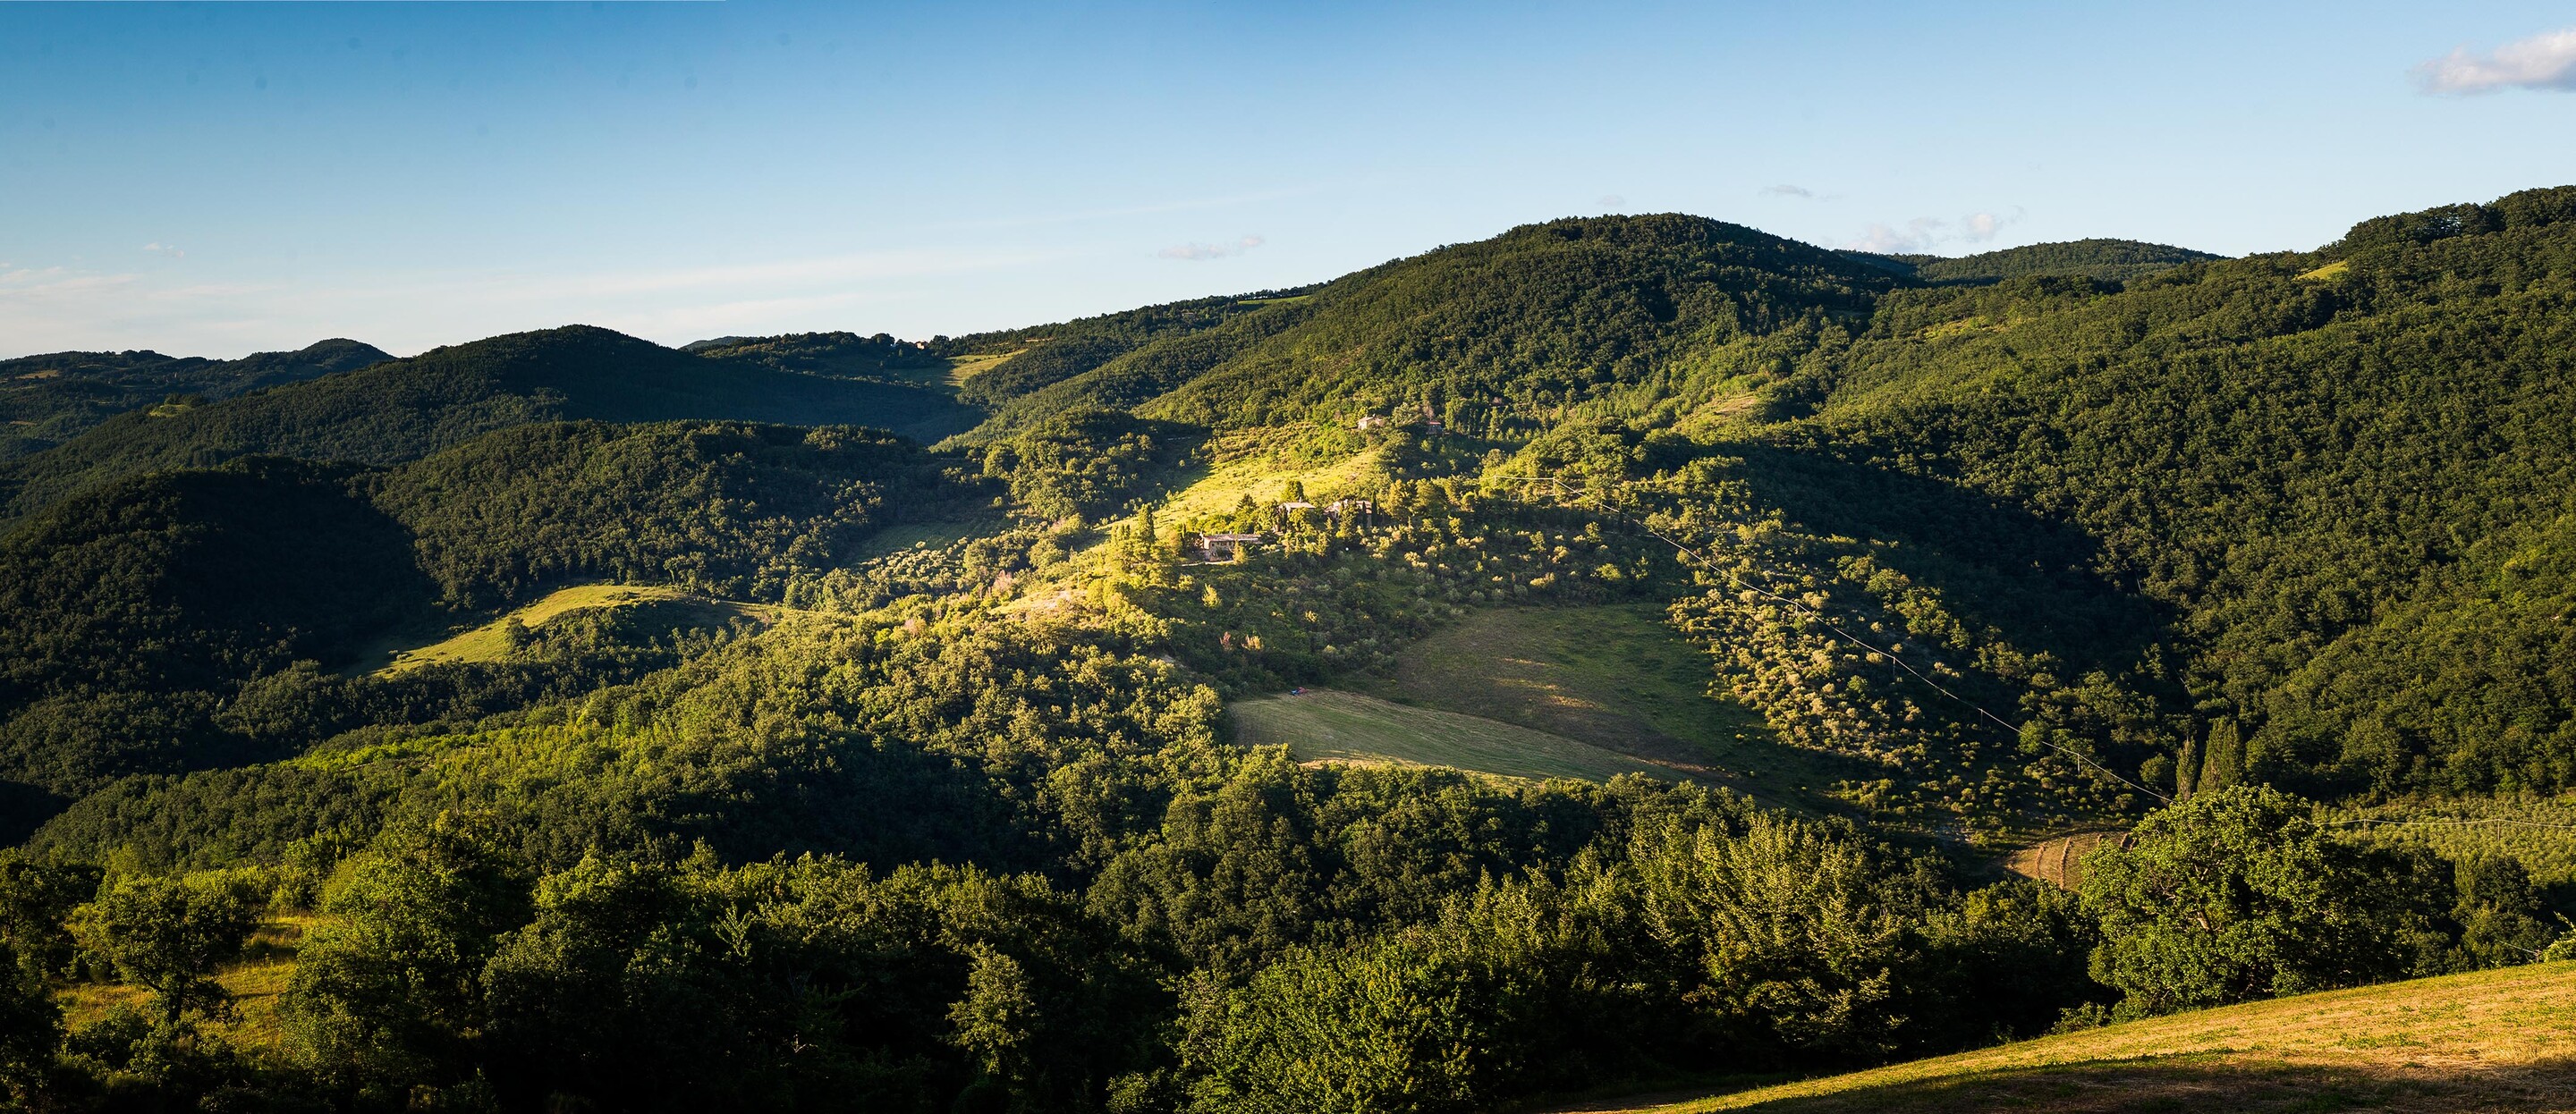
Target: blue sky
(218,178)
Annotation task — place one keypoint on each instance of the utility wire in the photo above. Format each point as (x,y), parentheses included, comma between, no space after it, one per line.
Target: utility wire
(1694,554)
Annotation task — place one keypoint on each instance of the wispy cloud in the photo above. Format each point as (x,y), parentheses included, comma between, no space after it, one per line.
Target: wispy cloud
(56,308)
(1786,190)
(156,247)
(1195,252)
(2543,61)
(1923,234)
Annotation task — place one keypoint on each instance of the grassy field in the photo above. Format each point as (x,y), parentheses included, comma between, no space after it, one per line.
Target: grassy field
(1616,677)
(490,641)
(1244,469)
(2488,1041)
(963,368)
(1323,725)
(267,962)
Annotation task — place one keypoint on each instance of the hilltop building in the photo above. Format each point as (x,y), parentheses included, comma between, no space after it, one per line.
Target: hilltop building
(1223,547)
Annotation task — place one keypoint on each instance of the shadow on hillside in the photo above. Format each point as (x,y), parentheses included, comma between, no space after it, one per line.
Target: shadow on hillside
(2208,1083)
(1995,564)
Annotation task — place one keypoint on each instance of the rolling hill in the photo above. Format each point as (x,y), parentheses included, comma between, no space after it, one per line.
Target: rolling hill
(406,409)
(48,399)
(1955,563)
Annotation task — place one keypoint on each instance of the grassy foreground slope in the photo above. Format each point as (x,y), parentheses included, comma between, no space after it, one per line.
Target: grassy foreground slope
(2503,1039)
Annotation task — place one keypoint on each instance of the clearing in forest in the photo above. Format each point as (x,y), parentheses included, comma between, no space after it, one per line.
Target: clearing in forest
(1324,725)
(2490,1040)
(1617,677)
(491,641)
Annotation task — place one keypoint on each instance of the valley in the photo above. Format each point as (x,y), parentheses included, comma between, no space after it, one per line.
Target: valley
(1638,651)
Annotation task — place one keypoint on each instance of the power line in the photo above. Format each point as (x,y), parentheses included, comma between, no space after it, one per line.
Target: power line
(1694,554)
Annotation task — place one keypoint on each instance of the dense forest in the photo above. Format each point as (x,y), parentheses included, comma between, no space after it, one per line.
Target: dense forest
(51,398)
(916,787)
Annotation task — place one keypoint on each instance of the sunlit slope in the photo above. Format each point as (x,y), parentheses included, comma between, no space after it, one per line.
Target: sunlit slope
(1504,327)
(2493,1040)
(491,641)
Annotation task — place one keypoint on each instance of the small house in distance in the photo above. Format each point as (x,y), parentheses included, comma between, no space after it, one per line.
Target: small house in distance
(1372,421)
(1223,547)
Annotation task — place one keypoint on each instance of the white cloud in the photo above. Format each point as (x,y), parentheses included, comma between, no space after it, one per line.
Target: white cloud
(1613,202)
(1917,235)
(1197,252)
(1786,190)
(156,247)
(1924,234)
(1981,227)
(2543,61)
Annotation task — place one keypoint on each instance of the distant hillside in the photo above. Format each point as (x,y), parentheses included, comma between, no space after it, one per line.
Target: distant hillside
(2107,260)
(48,399)
(877,359)
(2111,261)
(409,408)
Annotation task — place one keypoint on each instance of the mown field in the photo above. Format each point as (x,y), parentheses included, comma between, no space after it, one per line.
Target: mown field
(2503,1039)
(1326,725)
(1615,677)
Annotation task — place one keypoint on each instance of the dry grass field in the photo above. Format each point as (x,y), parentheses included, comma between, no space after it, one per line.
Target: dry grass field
(2500,1040)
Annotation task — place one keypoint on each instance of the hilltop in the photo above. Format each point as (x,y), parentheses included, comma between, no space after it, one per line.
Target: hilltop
(2103,260)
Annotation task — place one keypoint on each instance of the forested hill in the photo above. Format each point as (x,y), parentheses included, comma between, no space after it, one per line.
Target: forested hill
(409,408)
(132,614)
(2347,474)
(48,399)
(2108,260)
(1538,317)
